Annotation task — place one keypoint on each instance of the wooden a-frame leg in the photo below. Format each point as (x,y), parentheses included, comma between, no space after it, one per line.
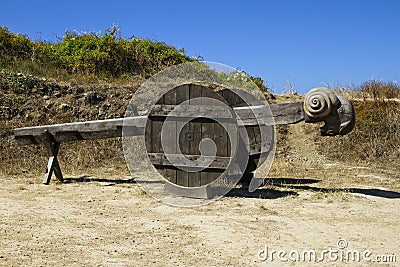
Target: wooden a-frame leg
(52,165)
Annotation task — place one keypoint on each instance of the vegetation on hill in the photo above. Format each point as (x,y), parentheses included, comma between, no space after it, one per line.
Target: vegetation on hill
(376,136)
(106,55)
(101,56)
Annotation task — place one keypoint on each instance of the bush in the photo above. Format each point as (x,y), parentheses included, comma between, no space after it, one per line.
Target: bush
(92,53)
(109,55)
(15,46)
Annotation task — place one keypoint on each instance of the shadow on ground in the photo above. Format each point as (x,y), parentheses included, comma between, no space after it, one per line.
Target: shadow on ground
(298,184)
(263,193)
(88,179)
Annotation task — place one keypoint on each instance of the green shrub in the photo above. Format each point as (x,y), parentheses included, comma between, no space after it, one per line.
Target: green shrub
(15,46)
(92,53)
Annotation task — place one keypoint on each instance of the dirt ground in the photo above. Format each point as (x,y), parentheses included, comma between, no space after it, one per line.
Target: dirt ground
(309,204)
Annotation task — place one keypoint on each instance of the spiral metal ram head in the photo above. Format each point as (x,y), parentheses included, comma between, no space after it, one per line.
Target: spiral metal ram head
(322,104)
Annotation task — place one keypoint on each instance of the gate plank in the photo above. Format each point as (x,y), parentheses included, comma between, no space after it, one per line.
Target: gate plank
(195,127)
(182,94)
(170,171)
(207,131)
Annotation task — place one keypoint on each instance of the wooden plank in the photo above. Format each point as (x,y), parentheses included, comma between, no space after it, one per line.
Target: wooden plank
(182,94)
(223,143)
(192,111)
(207,131)
(156,147)
(287,113)
(195,127)
(170,131)
(154,144)
(93,135)
(49,170)
(161,159)
(57,169)
(99,129)
(221,140)
(194,178)
(148,135)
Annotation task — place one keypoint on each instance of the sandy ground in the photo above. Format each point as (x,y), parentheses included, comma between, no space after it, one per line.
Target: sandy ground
(108,224)
(106,220)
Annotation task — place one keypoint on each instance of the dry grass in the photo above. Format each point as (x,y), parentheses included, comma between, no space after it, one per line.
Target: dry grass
(379,90)
(76,159)
(61,76)
(375,137)
(83,101)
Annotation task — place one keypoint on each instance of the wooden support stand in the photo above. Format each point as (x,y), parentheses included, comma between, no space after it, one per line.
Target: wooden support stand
(52,147)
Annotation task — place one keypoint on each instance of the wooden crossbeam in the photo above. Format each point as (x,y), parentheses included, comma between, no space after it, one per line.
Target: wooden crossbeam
(133,126)
(217,162)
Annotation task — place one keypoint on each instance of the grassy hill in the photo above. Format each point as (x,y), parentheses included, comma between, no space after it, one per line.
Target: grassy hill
(92,76)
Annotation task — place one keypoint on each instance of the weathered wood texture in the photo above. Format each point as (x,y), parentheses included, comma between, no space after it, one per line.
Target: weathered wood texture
(52,147)
(187,141)
(111,128)
(87,130)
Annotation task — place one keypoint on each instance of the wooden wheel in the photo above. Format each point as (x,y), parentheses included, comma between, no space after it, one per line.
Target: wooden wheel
(184,117)
(198,121)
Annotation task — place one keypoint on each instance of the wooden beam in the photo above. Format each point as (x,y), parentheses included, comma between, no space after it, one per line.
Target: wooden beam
(133,126)
(161,159)
(192,111)
(287,113)
(87,130)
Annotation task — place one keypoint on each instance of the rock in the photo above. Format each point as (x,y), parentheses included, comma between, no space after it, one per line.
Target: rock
(64,106)
(46,97)
(93,98)
(57,94)
(102,112)
(106,106)
(80,90)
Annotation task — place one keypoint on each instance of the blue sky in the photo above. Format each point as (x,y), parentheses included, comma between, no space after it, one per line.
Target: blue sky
(308,43)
